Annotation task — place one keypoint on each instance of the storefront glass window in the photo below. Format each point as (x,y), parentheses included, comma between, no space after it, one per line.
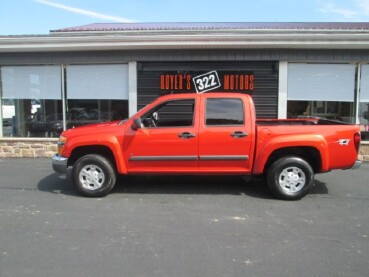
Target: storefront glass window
(96,93)
(321,90)
(364,102)
(343,111)
(31,100)
(364,119)
(321,82)
(81,111)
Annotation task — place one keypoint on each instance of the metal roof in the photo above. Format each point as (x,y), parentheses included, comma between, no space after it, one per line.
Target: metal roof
(241,35)
(114,27)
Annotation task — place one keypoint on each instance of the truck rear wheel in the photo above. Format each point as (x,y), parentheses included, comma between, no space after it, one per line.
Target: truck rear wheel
(290,178)
(93,175)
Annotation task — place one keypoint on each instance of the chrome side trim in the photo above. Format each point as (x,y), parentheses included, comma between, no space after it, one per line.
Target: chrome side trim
(225,157)
(162,158)
(190,158)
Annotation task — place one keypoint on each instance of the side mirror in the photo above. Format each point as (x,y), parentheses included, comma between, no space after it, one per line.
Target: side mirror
(136,124)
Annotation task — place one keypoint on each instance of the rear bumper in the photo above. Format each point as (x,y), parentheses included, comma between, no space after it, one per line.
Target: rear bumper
(356,165)
(59,163)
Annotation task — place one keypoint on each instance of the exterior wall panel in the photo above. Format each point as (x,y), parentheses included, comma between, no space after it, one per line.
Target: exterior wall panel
(265,94)
(96,57)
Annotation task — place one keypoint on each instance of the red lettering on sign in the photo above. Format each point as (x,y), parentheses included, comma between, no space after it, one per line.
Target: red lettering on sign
(180,82)
(251,82)
(167,81)
(226,82)
(231,82)
(238,82)
(188,82)
(175,81)
(171,77)
(162,81)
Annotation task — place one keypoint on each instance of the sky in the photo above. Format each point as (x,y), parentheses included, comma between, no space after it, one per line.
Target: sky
(35,17)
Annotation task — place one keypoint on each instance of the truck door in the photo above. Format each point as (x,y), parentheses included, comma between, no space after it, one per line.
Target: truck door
(167,141)
(224,136)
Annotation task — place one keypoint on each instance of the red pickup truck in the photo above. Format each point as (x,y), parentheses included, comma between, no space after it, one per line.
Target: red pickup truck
(211,133)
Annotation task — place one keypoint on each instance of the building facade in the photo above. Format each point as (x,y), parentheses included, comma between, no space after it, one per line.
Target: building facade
(100,72)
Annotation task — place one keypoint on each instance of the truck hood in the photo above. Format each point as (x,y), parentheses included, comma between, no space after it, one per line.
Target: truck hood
(95,129)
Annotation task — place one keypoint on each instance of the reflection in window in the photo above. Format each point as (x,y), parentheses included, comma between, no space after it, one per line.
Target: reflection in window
(176,113)
(81,112)
(31,97)
(30,117)
(364,119)
(96,93)
(343,111)
(364,102)
(224,112)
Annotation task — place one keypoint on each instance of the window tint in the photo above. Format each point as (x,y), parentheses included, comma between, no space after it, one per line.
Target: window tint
(224,112)
(171,114)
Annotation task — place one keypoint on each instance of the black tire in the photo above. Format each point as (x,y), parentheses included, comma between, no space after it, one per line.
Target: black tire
(94,175)
(290,178)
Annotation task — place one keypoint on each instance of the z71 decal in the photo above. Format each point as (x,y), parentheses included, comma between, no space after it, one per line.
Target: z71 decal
(344,142)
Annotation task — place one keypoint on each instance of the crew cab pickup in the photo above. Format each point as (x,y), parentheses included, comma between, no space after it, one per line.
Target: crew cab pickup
(210,133)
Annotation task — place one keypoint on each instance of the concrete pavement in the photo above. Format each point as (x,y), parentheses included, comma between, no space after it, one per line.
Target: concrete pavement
(180,226)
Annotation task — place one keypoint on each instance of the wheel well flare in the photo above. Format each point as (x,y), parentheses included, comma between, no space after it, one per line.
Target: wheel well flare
(91,149)
(309,154)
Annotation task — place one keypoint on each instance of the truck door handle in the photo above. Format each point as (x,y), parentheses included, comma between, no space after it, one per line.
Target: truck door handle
(186,135)
(239,134)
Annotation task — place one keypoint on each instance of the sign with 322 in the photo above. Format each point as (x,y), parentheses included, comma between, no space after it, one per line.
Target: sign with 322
(206,82)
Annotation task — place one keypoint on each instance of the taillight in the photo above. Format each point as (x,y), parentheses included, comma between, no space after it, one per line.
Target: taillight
(357,139)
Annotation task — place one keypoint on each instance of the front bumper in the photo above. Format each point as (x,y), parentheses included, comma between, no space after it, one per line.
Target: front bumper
(356,165)
(59,163)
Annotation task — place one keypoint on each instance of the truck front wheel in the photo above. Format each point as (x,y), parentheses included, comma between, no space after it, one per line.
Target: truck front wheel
(290,178)
(93,175)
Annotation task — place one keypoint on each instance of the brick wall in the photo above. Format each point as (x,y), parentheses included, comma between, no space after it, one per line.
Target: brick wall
(46,147)
(27,147)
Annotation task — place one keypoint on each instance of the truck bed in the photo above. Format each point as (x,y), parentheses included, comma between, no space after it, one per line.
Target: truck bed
(309,121)
(339,143)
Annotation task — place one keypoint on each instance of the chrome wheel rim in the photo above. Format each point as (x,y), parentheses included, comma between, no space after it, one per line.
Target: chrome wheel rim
(91,177)
(292,179)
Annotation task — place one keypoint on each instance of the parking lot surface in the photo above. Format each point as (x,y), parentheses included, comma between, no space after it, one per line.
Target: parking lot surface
(180,226)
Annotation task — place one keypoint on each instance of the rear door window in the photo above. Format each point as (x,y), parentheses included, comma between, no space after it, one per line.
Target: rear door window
(224,111)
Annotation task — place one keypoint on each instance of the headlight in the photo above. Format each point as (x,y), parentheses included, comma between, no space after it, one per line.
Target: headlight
(62,140)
